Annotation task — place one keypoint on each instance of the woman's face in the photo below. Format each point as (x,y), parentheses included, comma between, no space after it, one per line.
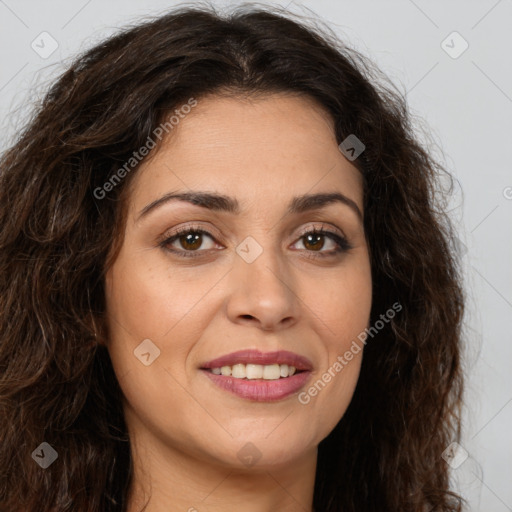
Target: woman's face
(251,279)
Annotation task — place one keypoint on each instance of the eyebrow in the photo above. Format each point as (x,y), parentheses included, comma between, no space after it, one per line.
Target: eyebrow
(222,203)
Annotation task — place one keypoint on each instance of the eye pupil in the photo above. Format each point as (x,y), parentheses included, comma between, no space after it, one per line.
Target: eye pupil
(189,240)
(318,239)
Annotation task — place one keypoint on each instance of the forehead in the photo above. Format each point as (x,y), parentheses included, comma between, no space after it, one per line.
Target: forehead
(254,147)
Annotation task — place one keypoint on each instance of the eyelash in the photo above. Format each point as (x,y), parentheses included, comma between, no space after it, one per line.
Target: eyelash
(342,242)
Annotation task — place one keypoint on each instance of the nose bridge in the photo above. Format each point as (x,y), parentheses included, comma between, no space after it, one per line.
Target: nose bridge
(262,266)
(263,286)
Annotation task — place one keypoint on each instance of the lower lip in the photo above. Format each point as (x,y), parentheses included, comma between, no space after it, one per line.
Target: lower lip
(261,390)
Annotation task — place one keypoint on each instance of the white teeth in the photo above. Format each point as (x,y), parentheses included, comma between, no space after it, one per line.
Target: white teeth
(271,372)
(238,371)
(256,371)
(226,370)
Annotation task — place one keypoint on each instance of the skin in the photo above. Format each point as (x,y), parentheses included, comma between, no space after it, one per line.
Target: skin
(186,433)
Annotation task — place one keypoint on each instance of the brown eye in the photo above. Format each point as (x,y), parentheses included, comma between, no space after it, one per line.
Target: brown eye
(188,241)
(315,241)
(191,241)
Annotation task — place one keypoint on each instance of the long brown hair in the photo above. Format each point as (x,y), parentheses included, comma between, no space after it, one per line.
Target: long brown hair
(57,238)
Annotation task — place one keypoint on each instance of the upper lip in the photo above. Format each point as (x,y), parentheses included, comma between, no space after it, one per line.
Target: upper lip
(263,358)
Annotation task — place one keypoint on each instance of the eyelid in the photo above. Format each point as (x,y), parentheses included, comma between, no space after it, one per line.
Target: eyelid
(198,227)
(210,231)
(333,229)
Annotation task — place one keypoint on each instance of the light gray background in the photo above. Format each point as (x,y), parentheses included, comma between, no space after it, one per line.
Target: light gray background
(466,103)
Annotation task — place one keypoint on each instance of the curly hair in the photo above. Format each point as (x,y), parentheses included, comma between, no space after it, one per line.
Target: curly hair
(57,240)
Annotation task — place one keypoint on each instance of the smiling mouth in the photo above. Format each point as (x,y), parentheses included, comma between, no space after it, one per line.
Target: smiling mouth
(259,376)
(259,383)
(251,371)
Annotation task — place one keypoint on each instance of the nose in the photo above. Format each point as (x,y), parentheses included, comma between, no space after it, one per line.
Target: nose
(263,293)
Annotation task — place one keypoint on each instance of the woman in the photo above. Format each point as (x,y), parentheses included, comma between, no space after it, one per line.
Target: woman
(225,281)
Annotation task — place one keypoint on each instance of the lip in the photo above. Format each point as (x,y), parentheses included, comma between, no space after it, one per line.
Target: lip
(264,358)
(260,390)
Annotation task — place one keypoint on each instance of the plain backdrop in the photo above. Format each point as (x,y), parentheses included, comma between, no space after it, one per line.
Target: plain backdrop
(463,96)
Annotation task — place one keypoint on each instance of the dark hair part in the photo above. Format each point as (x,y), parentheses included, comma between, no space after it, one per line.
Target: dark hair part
(57,239)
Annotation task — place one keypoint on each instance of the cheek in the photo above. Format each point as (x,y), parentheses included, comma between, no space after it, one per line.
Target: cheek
(345,310)
(342,312)
(145,303)
(169,308)
(152,301)
(342,304)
